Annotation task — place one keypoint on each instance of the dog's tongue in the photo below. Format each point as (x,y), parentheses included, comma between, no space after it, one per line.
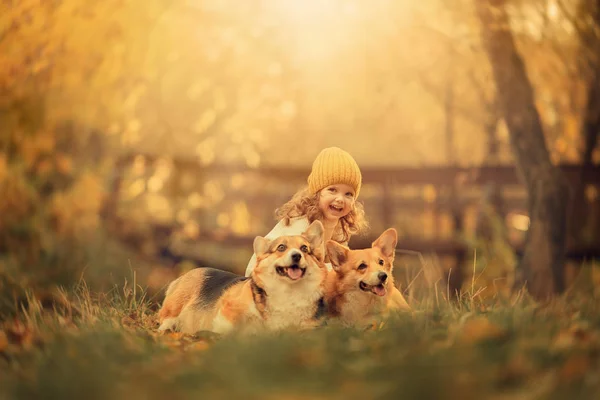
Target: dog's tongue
(294,273)
(379,290)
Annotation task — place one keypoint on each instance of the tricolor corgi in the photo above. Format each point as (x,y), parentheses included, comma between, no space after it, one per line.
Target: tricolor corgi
(285,289)
(361,285)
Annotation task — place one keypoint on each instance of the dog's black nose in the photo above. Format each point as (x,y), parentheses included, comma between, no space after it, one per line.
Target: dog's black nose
(296,257)
(382,276)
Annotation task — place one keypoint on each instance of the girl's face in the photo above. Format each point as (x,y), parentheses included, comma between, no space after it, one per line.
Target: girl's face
(336,201)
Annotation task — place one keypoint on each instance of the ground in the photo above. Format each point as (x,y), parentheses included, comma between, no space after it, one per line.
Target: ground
(106,346)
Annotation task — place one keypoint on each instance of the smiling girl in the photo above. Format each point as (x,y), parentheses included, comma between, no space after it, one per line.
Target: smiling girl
(333,186)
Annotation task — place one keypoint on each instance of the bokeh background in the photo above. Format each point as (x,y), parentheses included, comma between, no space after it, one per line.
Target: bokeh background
(139,139)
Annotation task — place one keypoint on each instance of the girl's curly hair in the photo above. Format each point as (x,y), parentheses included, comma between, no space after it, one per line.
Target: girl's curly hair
(305,204)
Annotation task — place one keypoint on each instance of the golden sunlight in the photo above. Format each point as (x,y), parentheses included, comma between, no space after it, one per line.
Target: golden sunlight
(320,28)
(519,221)
(307,13)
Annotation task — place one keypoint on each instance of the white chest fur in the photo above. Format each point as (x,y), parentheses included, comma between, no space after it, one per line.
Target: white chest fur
(291,305)
(359,306)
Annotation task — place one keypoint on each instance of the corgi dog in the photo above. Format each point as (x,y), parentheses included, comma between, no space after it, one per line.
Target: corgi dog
(285,290)
(361,286)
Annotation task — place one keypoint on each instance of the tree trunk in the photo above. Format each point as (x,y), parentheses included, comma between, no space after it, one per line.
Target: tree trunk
(543,259)
(590,69)
(493,144)
(591,126)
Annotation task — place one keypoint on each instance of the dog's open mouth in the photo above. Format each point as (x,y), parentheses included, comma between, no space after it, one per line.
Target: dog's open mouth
(294,271)
(379,290)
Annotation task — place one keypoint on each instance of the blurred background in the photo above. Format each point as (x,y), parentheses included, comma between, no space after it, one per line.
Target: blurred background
(139,139)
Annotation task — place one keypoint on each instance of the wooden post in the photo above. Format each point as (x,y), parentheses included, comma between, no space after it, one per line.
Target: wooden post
(387,204)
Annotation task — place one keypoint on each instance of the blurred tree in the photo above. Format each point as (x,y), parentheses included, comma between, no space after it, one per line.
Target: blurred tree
(543,259)
(586,21)
(214,82)
(63,77)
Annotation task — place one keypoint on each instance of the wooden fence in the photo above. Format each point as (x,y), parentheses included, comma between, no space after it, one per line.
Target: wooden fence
(449,192)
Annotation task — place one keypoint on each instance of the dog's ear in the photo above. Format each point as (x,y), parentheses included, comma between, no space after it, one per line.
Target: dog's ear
(387,242)
(314,234)
(260,245)
(337,253)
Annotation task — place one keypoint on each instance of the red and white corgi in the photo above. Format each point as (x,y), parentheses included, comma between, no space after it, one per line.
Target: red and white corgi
(285,289)
(361,285)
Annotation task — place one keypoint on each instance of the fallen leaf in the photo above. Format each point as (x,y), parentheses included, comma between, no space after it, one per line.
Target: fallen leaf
(576,336)
(174,335)
(198,346)
(518,368)
(563,341)
(308,358)
(480,329)
(64,164)
(3,341)
(574,368)
(20,334)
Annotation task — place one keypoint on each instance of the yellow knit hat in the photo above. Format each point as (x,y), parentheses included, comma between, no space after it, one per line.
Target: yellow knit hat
(333,166)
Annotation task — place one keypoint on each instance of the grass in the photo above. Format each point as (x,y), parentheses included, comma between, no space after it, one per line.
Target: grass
(105,346)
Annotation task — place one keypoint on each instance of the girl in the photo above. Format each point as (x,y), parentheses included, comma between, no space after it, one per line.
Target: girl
(333,186)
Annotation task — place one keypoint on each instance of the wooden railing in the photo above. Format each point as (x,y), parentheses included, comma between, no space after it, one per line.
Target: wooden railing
(383,180)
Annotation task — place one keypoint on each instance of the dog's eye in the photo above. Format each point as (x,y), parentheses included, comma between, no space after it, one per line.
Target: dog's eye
(281,247)
(362,266)
(380,261)
(304,248)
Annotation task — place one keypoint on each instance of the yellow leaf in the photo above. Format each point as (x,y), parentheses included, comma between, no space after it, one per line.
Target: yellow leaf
(479,329)
(3,167)
(44,167)
(3,341)
(563,341)
(64,164)
(174,335)
(579,336)
(574,368)
(198,346)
